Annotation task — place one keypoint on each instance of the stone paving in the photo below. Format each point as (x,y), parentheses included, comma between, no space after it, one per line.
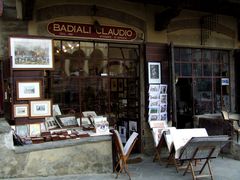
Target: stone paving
(223,168)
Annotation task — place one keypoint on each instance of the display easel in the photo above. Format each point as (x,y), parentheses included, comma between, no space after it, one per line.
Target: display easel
(201,148)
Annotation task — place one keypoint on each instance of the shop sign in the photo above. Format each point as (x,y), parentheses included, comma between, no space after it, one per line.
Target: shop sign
(225,81)
(88,30)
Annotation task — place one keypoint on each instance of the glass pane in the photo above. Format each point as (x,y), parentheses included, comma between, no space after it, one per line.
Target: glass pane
(94,93)
(225,62)
(217,69)
(216,57)
(207,69)
(70,46)
(58,65)
(206,55)
(197,69)
(176,54)
(177,69)
(115,52)
(87,48)
(96,62)
(196,55)
(130,53)
(185,54)
(217,95)
(117,68)
(103,47)
(186,69)
(203,95)
(131,67)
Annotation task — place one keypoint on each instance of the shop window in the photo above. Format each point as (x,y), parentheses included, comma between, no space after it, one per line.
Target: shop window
(206,68)
(84,71)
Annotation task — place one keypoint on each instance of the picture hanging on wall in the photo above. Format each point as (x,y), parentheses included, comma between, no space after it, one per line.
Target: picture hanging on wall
(154,73)
(31,53)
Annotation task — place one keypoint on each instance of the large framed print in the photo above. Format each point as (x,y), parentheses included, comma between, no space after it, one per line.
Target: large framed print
(31,53)
(20,110)
(154,72)
(29,89)
(40,108)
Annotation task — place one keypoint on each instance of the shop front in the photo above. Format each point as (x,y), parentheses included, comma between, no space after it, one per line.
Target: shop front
(100,62)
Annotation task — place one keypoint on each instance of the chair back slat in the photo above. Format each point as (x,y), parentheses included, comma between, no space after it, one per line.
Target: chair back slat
(130,143)
(119,141)
(225,115)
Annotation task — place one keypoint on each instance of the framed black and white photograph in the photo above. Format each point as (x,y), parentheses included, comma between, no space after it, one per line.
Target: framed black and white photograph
(67,120)
(154,96)
(41,108)
(20,110)
(31,53)
(51,123)
(163,116)
(154,73)
(154,103)
(29,89)
(153,117)
(163,98)
(163,88)
(154,88)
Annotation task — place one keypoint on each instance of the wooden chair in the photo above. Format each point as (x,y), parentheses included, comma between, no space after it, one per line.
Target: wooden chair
(236,129)
(123,152)
(233,123)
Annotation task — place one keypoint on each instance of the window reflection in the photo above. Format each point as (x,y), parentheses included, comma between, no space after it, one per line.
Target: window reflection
(83,71)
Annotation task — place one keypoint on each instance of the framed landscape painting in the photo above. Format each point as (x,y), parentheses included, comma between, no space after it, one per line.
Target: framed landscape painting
(29,89)
(31,53)
(40,109)
(20,110)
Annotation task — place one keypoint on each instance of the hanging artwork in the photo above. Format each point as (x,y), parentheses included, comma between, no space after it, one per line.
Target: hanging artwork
(31,53)
(154,73)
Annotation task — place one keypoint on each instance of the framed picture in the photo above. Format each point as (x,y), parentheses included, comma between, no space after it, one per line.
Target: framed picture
(154,88)
(113,84)
(120,84)
(89,113)
(41,108)
(20,110)
(34,130)
(66,120)
(31,53)
(28,90)
(22,130)
(50,123)
(163,88)
(154,72)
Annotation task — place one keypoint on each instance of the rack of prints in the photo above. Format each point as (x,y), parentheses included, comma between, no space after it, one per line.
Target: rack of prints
(157,102)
